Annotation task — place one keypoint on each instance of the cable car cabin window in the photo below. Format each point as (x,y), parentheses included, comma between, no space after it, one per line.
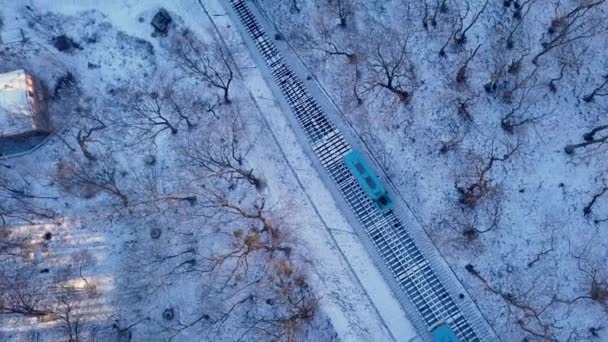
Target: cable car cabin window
(360,168)
(370,182)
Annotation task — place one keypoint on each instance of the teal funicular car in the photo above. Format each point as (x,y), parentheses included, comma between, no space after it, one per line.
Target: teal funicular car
(443,333)
(368,180)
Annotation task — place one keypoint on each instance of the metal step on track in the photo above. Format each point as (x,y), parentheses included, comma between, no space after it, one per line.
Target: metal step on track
(385,231)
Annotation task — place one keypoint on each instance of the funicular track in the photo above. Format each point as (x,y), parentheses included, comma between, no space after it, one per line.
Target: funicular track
(414,274)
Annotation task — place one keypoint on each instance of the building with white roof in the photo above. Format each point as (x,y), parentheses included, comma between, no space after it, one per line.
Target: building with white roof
(22,106)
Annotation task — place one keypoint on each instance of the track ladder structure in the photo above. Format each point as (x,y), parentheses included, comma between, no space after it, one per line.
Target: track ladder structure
(413,273)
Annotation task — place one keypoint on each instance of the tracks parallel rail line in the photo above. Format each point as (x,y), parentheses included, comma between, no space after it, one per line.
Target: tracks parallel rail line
(408,267)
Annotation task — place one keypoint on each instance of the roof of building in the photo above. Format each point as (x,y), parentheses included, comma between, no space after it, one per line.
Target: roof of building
(16,114)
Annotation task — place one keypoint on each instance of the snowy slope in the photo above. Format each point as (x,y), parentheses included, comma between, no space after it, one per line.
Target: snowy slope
(106,243)
(536,243)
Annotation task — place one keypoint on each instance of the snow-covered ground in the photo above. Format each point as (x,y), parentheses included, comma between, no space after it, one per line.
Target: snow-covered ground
(526,249)
(96,245)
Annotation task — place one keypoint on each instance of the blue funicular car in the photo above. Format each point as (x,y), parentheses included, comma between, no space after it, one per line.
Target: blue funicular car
(368,180)
(443,333)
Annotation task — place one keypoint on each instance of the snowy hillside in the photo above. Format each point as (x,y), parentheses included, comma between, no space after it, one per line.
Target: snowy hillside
(490,117)
(173,200)
(161,207)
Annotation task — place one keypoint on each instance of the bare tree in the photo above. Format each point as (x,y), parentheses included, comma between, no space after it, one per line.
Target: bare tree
(208,62)
(21,293)
(390,69)
(480,184)
(455,136)
(533,318)
(326,42)
(154,267)
(10,244)
(357,86)
(517,82)
(545,250)
(87,178)
(496,76)
(552,86)
(519,115)
(461,75)
(295,6)
(276,305)
(589,207)
(442,52)
(598,283)
(343,9)
(440,7)
(589,136)
(152,107)
(598,91)
(460,36)
(84,135)
(519,13)
(66,310)
(153,194)
(469,225)
(255,279)
(580,23)
(286,304)
(263,236)
(17,202)
(593,268)
(590,139)
(222,155)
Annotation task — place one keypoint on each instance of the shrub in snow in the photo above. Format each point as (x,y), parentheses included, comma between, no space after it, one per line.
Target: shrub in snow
(168,314)
(155,233)
(64,43)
